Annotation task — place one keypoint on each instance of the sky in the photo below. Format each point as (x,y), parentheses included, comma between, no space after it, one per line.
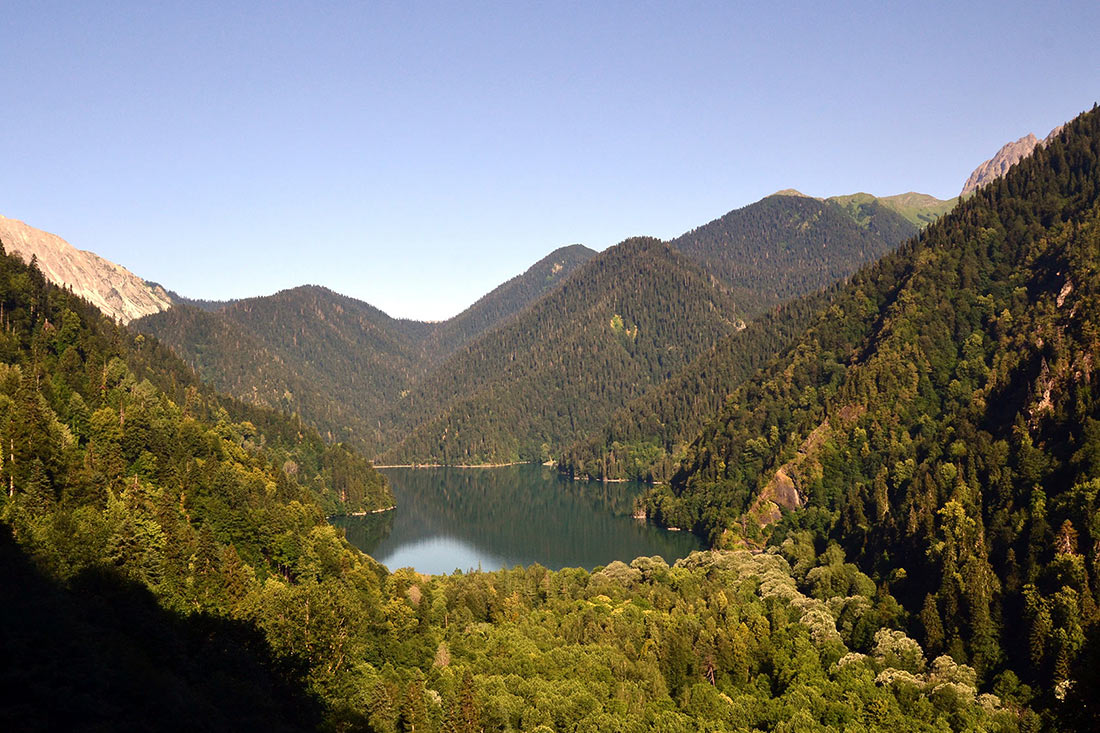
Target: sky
(415,155)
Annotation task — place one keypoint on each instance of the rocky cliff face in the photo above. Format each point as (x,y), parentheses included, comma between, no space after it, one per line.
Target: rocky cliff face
(1006,157)
(112,288)
(999,164)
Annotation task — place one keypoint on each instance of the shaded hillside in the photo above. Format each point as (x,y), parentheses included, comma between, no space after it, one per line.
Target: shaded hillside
(505,301)
(124,663)
(333,360)
(941,420)
(625,321)
(784,246)
(645,439)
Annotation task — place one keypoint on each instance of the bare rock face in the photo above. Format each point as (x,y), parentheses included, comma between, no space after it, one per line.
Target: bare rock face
(112,288)
(1006,157)
(998,165)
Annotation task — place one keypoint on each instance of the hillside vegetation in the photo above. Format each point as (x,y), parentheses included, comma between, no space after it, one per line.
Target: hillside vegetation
(627,320)
(645,440)
(785,246)
(334,361)
(940,421)
(164,560)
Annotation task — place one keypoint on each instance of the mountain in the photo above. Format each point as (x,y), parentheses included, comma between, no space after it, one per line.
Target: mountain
(623,322)
(113,289)
(334,360)
(505,300)
(940,421)
(178,535)
(1009,155)
(377,381)
(645,439)
(338,362)
(784,246)
(919,209)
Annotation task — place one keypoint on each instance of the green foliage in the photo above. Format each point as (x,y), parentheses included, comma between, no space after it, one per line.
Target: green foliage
(941,416)
(624,322)
(262,608)
(529,368)
(337,362)
(787,246)
(645,439)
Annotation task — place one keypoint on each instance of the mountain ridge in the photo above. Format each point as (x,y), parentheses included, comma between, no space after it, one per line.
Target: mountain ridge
(1007,156)
(939,418)
(112,288)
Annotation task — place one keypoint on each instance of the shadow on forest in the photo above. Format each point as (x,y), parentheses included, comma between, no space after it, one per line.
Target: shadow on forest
(101,654)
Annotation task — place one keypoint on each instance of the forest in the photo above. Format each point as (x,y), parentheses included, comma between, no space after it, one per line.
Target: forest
(899,487)
(168,557)
(625,322)
(487,386)
(938,420)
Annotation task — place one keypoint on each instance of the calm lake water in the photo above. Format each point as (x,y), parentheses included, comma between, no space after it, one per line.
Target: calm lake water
(451,519)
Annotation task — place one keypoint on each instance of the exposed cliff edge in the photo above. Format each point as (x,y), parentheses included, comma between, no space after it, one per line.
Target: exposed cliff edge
(112,288)
(1008,156)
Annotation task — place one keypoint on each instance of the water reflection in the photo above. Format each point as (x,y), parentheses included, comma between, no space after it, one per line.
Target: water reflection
(450,518)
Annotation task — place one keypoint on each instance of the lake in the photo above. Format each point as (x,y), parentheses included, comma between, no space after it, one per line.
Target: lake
(451,519)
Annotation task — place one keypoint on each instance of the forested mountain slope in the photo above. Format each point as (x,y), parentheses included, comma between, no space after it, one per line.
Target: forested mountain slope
(170,565)
(645,440)
(505,301)
(361,376)
(626,320)
(784,246)
(786,243)
(333,360)
(941,420)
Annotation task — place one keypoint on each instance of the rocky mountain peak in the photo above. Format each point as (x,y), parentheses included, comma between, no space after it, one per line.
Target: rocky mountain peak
(112,288)
(1006,157)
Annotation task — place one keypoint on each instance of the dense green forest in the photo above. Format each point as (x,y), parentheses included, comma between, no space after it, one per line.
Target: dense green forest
(626,321)
(940,421)
(335,361)
(171,567)
(359,376)
(644,440)
(785,246)
(504,301)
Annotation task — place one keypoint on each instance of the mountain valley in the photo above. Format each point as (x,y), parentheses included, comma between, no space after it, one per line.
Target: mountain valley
(878,414)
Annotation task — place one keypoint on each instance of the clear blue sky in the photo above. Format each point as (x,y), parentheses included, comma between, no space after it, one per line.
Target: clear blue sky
(415,155)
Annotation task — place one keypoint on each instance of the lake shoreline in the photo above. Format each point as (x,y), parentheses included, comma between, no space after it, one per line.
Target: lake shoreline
(457,465)
(522,515)
(547,464)
(365,512)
